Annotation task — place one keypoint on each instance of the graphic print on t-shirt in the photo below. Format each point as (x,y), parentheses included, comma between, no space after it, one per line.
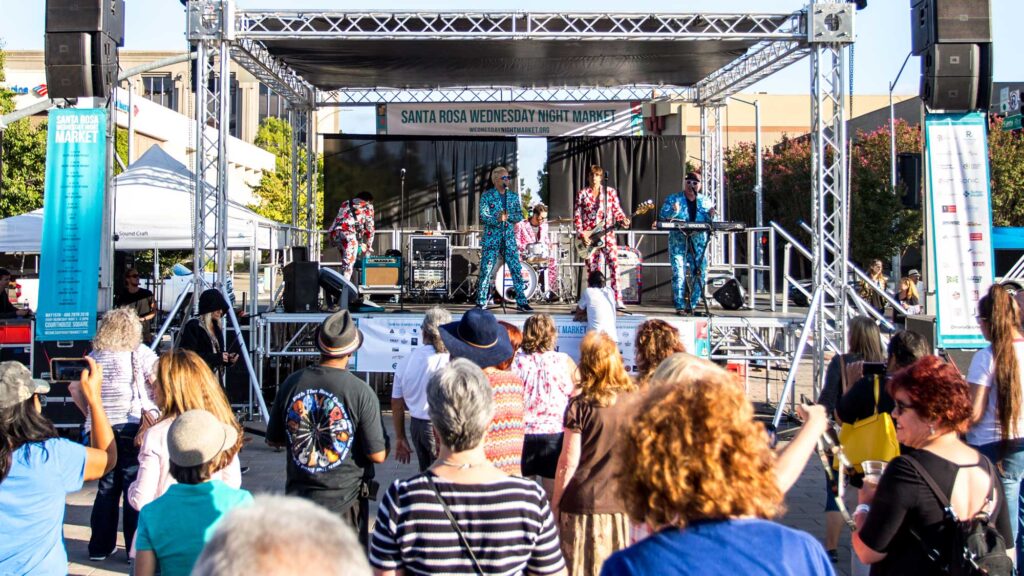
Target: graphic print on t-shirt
(319,430)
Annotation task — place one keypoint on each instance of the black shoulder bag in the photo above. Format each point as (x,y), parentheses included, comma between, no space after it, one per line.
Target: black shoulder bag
(455,526)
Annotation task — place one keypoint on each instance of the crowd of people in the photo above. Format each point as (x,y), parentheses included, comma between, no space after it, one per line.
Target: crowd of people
(528,462)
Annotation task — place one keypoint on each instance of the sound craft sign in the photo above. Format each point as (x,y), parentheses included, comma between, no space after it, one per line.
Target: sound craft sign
(511,119)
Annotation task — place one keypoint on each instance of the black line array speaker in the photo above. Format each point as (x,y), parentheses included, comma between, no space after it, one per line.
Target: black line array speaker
(908,175)
(957,76)
(301,286)
(949,21)
(81,43)
(103,16)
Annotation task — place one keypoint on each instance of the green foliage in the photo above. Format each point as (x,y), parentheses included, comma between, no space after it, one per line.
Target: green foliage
(1006,168)
(880,226)
(274,191)
(24,159)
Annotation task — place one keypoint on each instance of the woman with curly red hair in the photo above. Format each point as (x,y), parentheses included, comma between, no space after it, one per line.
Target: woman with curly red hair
(902,523)
(697,469)
(592,520)
(655,341)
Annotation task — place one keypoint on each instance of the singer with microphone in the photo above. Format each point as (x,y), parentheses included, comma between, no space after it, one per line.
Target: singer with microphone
(500,209)
(687,250)
(597,209)
(352,231)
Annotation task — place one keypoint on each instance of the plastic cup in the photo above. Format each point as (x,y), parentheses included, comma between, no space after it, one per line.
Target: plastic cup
(872,471)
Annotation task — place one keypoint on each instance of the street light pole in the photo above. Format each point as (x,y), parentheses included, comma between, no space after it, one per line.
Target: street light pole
(896,260)
(758,183)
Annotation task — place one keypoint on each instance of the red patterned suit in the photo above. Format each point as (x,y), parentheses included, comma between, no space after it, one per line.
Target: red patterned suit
(592,213)
(527,233)
(353,226)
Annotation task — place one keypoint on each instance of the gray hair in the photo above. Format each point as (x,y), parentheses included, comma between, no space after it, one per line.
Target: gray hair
(119,331)
(431,327)
(461,404)
(281,536)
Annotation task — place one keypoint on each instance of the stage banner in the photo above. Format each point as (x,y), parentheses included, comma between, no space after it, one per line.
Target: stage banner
(512,119)
(960,218)
(76,164)
(389,338)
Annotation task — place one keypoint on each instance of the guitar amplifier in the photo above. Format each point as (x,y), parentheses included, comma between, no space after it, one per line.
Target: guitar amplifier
(380,271)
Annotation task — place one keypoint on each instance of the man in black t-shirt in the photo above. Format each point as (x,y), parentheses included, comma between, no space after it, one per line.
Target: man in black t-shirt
(8,310)
(139,299)
(329,421)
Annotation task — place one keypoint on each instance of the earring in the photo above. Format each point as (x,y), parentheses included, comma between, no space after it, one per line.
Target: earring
(931,430)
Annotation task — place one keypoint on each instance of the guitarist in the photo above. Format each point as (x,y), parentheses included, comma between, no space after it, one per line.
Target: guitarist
(597,207)
(685,250)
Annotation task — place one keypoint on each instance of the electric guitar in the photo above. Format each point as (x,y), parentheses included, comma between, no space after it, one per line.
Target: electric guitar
(597,236)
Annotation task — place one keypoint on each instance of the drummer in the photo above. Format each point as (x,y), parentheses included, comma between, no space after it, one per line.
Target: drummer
(534,231)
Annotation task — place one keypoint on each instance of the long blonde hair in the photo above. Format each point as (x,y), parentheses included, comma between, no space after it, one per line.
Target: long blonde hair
(184,382)
(602,374)
(212,328)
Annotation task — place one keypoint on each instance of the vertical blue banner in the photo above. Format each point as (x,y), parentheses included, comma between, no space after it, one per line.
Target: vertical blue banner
(76,165)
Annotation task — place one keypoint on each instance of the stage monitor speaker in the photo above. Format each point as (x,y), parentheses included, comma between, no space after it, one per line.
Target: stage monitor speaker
(300,254)
(908,174)
(730,295)
(301,286)
(338,288)
(103,16)
(79,64)
(949,21)
(957,76)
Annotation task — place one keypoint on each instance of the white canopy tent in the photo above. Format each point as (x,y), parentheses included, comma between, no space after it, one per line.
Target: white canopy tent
(154,209)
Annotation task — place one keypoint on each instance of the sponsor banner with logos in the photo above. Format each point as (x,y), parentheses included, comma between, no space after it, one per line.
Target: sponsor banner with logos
(512,119)
(390,338)
(960,218)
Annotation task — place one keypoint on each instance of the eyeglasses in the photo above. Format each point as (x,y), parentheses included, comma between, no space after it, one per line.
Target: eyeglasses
(506,177)
(42,400)
(904,406)
(693,181)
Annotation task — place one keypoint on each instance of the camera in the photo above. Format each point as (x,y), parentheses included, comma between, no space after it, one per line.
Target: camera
(67,369)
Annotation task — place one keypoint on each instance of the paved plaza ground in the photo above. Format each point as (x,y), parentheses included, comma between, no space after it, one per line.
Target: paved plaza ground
(804,503)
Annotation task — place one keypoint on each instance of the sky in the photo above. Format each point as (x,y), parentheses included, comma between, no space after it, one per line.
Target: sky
(882,29)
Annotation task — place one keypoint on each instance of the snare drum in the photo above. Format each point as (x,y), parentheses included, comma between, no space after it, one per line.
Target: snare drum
(535,253)
(505,288)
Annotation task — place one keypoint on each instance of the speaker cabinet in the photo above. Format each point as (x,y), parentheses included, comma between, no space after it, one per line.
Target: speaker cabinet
(957,76)
(301,286)
(949,21)
(80,64)
(908,174)
(103,16)
(730,296)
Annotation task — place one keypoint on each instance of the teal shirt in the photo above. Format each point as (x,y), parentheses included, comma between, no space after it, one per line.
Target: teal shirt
(176,525)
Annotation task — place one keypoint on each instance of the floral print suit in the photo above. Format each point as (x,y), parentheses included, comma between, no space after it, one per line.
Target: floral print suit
(499,239)
(591,214)
(684,255)
(353,226)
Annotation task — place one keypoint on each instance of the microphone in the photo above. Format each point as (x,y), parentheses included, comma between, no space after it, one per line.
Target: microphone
(403,172)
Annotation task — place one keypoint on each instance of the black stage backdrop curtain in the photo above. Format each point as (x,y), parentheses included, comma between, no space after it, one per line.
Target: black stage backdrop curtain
(640,168)
(449,173)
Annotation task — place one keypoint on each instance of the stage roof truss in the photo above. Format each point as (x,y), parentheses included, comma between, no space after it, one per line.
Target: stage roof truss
(291,25)
(502,94)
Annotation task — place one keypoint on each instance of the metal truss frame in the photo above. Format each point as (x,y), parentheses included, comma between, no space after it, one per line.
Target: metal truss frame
(823,31)
(830,33)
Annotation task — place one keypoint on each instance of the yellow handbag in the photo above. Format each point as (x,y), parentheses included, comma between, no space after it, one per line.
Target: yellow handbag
(871,438)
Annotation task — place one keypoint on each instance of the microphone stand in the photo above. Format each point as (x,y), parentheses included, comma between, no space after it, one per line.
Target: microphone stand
(504,229)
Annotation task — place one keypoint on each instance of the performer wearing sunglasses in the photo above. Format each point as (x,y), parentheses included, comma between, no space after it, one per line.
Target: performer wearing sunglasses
(688,253)
(499,211)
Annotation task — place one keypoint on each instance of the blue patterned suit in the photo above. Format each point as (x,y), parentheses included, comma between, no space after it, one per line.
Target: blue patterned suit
(684,254)
(492,203)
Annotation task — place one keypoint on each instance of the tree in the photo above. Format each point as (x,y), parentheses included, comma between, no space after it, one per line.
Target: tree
(274,193)
(1006,169)
(23,159)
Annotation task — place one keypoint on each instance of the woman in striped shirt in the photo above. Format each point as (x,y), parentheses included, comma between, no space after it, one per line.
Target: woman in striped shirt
(464,515)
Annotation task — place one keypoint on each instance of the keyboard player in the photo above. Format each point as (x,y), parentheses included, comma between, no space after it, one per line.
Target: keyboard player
(687,251)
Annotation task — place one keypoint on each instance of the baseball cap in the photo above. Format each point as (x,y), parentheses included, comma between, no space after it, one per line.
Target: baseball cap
(18,385)
(196,437)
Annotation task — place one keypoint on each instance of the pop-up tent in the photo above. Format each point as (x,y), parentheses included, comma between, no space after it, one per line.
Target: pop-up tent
(153,209)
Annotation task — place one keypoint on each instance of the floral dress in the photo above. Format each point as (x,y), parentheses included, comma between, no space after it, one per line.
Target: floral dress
(353,226)
(591,214)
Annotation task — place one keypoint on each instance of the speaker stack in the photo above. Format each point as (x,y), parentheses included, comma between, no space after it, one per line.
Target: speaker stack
(429,265)
(81,43)
(954,40)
